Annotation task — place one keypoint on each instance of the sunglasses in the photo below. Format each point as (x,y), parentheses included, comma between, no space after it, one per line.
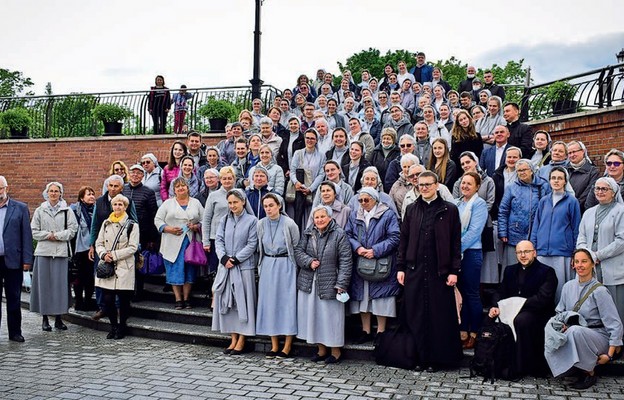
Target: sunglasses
(404,145)
(364,200)
(613,163)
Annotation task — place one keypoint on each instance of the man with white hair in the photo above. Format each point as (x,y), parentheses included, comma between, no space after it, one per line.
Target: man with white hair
(16,254)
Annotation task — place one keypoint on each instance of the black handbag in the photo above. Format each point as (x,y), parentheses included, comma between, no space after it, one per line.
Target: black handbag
(105,269)
(373,269)
(396,348)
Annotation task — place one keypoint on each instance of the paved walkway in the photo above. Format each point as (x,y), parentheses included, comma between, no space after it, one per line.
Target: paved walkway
(82,364)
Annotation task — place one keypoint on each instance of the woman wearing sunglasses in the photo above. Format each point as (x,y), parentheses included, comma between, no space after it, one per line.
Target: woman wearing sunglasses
(614,168)
(373,231)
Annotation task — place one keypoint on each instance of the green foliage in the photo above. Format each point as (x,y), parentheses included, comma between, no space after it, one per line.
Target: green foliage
(110,113)
(16,118)
(374,62)
(453,69)
(13,83)
(214,108)
(560,91)
(72,116)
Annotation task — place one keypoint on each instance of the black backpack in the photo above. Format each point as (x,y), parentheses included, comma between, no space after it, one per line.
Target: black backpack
(495,352)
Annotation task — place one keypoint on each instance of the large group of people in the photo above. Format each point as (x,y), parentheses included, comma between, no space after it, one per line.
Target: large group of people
(358,194)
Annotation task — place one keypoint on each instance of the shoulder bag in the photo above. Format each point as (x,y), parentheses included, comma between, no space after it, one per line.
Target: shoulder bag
(373,269)
(105,269)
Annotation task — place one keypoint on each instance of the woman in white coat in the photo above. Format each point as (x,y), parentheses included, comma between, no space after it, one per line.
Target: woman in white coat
(178,219)
(120,285)
(53,226)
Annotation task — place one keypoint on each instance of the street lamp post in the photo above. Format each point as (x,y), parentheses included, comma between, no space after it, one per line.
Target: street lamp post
(256,82)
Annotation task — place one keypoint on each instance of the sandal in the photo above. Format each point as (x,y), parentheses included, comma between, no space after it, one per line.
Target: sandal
(179,305)
(187,305)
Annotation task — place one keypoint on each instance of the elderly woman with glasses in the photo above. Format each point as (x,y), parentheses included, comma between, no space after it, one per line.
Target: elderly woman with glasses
(373,231)
(53,226)
(614,162)
(518,207)
(407,145)
(602,231)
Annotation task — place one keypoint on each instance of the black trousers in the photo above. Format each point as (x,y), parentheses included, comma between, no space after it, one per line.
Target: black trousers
(124,297)
(11,283)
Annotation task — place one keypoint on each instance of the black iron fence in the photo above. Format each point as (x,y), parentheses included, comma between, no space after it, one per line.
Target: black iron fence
(71,115)
(598,88)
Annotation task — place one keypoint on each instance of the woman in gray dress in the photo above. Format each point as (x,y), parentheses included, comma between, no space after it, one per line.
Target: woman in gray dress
(602,231)
(53,226)
(323,256)
(597,336)
(277,289)
(234,287)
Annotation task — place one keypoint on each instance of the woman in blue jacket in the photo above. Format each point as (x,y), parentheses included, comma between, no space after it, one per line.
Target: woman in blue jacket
(517,209)
(373,231)
(473,214)
(556,227)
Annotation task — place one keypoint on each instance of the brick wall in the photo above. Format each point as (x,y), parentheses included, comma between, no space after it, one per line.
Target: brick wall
(29,165)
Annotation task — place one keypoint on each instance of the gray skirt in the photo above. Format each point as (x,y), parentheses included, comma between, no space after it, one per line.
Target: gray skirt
(230,322)
(50,287)
(383,307)
(320,321)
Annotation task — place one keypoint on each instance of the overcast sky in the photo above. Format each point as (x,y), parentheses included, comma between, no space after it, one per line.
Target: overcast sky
(114,45)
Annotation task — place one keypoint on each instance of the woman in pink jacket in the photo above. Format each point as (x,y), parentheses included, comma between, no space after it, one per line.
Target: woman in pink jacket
(172,169)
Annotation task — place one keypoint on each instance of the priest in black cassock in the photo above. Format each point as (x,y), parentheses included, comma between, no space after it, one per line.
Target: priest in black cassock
(538,284)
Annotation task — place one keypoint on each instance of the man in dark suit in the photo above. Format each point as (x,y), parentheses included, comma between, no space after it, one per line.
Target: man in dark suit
(538,284)
(16,254)
(494,156)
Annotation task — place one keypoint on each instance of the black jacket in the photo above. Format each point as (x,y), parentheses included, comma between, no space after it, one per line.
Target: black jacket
(144,200)
(357,185)
(447,234)
(521,135)
(539,287)
(282,154)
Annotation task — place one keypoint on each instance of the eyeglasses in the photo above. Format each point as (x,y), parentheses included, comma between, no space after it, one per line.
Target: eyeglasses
(425,185)
(404,145)
(412,176)
(574,151)
(523,170)
(118,170)
(146,162)
(613,163)
(601,189)
(524,252)
(365,200)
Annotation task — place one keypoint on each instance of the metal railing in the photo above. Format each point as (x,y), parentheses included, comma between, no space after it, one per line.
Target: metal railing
(71,115)
(598,88)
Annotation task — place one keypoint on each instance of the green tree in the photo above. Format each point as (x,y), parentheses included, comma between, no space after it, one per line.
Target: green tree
(13,83)
(453,69)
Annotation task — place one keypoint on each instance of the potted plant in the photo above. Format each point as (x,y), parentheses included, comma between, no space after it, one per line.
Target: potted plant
(561,95)
(17,120)
(218,113)
(111,116)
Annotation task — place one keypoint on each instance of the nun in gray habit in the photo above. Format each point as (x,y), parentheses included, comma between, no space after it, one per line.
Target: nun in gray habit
(278,235)
(234,286)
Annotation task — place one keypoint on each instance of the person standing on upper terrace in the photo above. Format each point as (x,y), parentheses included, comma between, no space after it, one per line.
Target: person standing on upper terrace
(159,104)
(520,134)
(422,71)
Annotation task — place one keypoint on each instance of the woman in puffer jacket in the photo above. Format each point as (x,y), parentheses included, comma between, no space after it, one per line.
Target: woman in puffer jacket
(518,207)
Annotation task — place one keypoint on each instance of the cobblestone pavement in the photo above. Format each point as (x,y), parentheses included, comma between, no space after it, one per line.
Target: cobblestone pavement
(81,364)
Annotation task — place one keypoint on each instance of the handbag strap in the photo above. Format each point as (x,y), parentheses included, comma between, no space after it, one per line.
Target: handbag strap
(579,303)
(118,236)
(69,250)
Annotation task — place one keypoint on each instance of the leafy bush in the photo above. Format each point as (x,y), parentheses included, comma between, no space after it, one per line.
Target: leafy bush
(111,113)
(16,118)
(218,109)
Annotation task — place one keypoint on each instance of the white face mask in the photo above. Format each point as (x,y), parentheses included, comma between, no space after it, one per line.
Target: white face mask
(475,88)
(470,76)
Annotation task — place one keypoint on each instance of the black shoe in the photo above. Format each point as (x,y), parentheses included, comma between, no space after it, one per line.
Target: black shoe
(58,324)
(318,358)
(363,338)
(45,325)
(584,382)
(333,360)
(235,352)
(112,333)
(17,338)
(120,333)
(281,354)
(271,354)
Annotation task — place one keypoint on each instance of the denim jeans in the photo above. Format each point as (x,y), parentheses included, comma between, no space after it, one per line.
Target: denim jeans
(468,285)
